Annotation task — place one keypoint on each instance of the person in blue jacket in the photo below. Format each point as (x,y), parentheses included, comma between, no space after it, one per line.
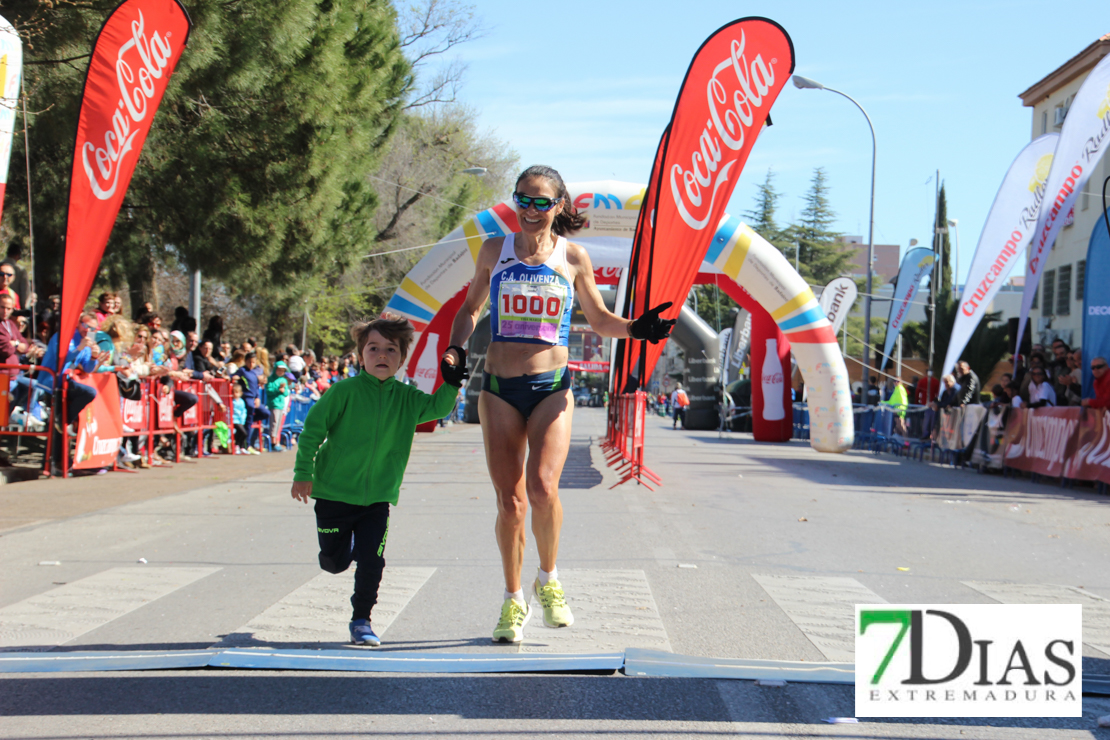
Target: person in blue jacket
(248,379)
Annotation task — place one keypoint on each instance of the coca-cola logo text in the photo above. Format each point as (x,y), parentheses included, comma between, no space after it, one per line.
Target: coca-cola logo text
(139,62)
(732,108)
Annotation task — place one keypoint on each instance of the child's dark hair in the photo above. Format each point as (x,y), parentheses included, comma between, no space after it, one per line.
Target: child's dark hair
(569,219)
(392,327)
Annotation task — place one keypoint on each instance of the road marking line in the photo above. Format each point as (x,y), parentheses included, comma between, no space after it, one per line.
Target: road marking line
(1096,610)
(61,614)
(823,608)
(613,610)
(319,611)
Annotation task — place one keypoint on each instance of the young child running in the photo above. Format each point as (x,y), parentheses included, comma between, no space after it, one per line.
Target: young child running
(352,455)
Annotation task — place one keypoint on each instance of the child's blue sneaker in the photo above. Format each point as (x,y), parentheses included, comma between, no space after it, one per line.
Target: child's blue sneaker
(277,448)
(363,634)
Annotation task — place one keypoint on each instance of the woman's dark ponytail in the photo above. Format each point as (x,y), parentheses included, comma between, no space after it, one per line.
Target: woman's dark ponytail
(569,219)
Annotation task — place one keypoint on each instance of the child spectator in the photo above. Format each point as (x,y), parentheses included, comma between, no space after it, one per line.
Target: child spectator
(277,394)
(248,379)
(353,452)
(239,418)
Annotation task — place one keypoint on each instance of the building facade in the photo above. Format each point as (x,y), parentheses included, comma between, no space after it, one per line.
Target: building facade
(1057,309)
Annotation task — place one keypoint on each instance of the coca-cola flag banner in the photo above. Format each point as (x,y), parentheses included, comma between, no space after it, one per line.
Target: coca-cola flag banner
(11,69)
(725,99)
(837,300)
(134,56)
(1007,231)
(423,363)
(1084,138)
(1096,303)
(915,266)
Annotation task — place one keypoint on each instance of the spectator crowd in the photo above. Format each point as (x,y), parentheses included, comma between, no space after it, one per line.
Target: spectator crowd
(263,384)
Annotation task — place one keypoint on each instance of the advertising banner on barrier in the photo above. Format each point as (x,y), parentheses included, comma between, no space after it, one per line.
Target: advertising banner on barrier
(950,425)
(837,300)
(133,414)
(164,402)
(11,70)
(1096,303)
(134,56)
(99,427)
(1084,138)
(1091,460)
(1042,440)
(1007,230)
(915,266)
(726,97)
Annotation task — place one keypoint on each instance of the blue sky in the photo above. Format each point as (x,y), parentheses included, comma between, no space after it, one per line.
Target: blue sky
(588,88)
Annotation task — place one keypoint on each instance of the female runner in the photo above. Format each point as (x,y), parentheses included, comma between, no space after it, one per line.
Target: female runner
(530,279)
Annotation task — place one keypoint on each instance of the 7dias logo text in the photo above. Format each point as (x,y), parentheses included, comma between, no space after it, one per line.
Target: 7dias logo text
(969,660)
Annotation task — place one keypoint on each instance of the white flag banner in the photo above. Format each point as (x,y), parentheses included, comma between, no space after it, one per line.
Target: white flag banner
(915,266)
(1007,231)
(11,69)
(1084,137)
(837,300)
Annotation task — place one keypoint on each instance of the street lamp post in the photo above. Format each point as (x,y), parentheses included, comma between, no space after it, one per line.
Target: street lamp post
(804,83)
(955,224)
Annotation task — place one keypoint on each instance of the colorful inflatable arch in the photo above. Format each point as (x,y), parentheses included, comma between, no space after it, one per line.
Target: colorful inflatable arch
(737,256)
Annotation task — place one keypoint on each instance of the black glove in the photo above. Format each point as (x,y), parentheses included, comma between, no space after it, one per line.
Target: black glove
(649,327)
(454,374)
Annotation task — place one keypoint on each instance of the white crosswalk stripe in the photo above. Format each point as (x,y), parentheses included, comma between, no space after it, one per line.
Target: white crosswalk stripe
(64,613)
(822,608)
(1096,610)
(318,611)
(613,610)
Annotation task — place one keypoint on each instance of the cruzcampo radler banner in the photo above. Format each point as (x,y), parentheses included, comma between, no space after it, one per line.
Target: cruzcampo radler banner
(11,69)
(722,106)
(1007,230)
(915,266)
(134,55)
(1084,138)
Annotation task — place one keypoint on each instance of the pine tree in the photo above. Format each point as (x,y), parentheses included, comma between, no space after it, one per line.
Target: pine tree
(822,256)
(762,217)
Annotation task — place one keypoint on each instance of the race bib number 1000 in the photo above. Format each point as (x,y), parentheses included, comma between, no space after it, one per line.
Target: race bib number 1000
(531,310)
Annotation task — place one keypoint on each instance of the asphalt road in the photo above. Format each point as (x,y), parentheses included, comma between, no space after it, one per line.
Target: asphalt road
(747,551)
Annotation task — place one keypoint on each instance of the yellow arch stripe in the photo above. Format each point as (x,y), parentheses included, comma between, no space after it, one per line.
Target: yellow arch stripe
(793,304)
(419,293)
(739,253)
(473,238)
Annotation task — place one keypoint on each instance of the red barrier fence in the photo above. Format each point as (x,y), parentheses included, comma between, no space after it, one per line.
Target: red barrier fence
(103,425)
(624,443)
(1070,442)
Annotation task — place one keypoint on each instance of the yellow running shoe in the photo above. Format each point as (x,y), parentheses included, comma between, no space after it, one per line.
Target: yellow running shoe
(514,615)
(556,613)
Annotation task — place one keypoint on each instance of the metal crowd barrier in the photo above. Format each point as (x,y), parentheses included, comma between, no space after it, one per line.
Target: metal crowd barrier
(624,444)
(142,419)
(33,394)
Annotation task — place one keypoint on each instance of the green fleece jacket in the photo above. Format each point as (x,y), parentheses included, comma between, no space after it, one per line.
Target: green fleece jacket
(357,438)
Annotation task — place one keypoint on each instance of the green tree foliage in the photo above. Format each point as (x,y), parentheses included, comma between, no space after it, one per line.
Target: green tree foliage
(422,195)
(255,166)
(762,218)
(822,256)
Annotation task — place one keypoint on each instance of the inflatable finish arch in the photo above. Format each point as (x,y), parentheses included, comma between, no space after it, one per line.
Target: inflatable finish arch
(737,253)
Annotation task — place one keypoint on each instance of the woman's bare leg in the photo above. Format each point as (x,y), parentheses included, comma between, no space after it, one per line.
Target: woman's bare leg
(504,433)
(548,444)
